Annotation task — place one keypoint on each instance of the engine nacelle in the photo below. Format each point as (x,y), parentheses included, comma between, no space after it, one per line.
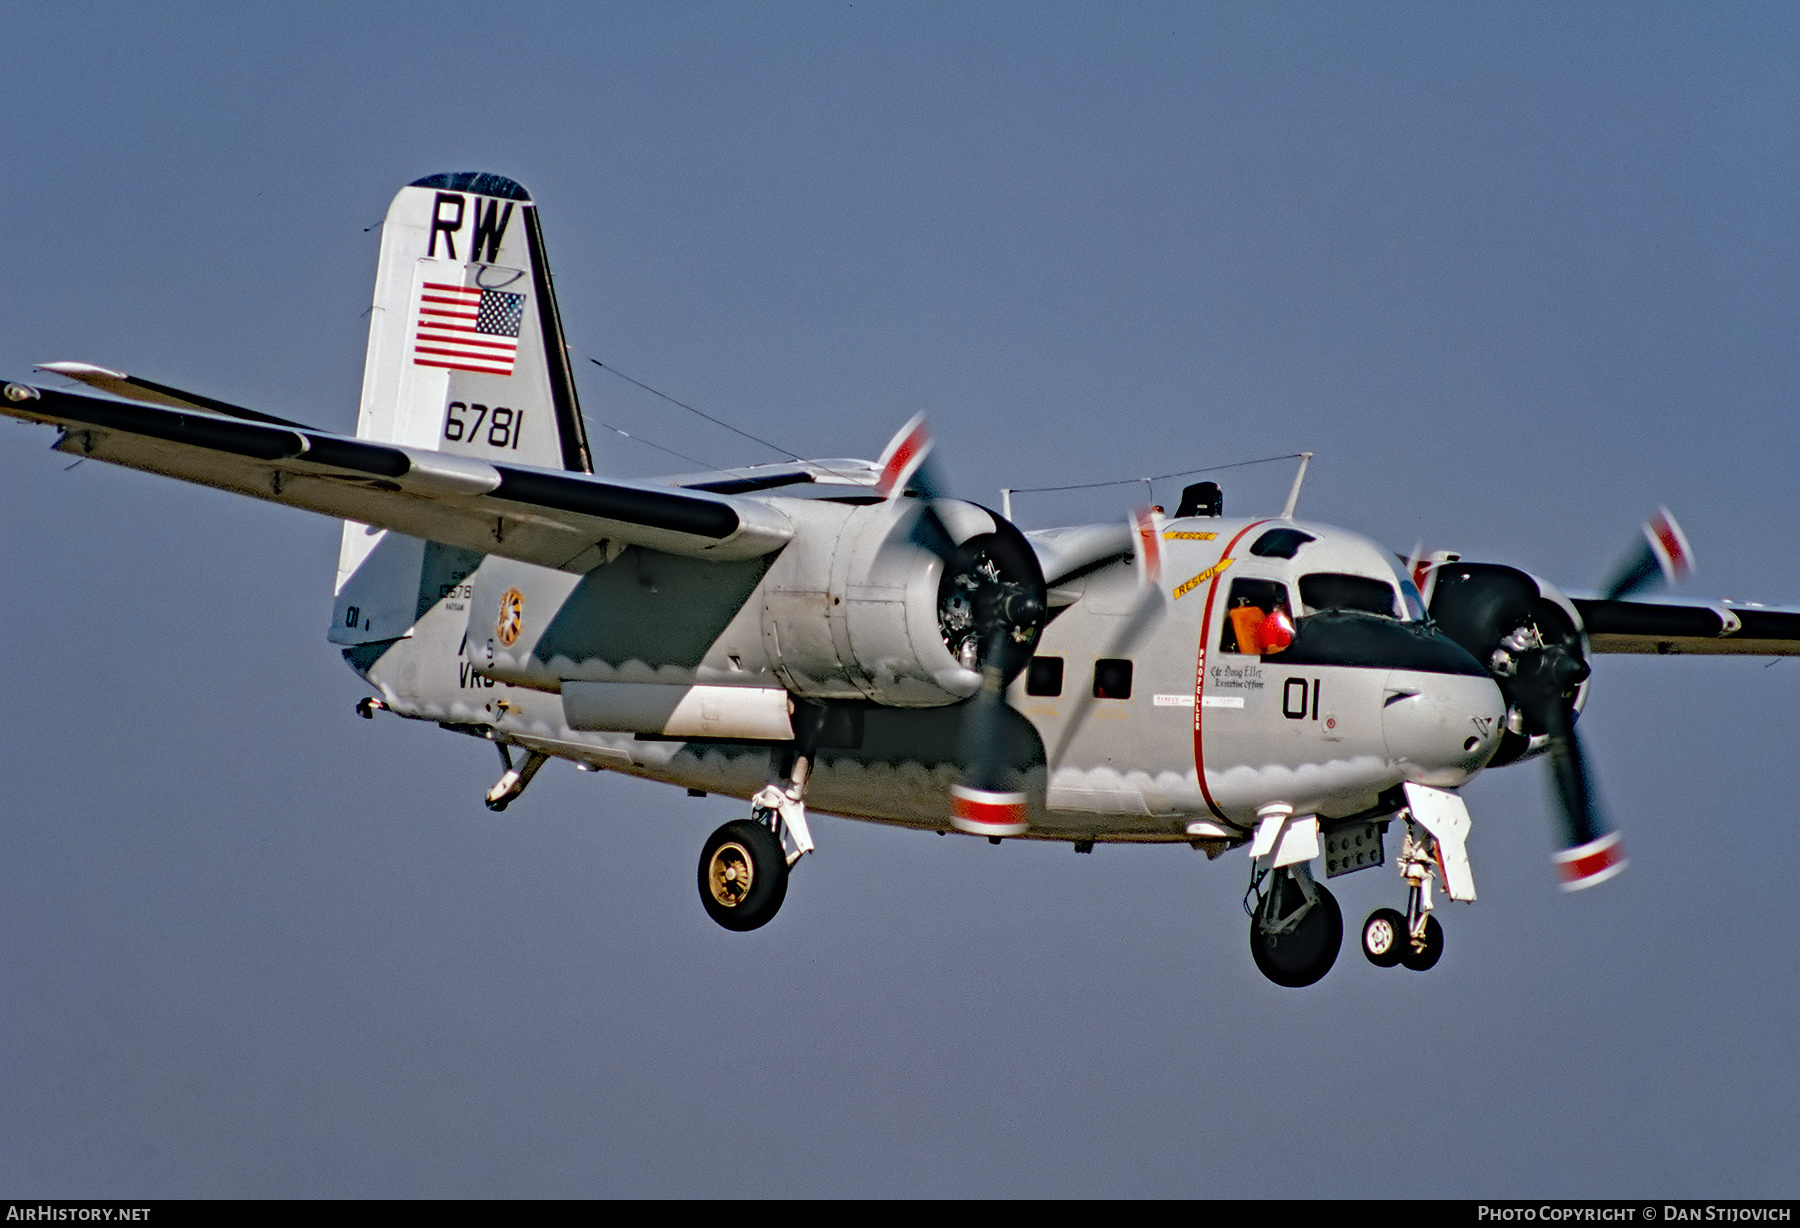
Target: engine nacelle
(879,602)
(890,604)
(1505,617)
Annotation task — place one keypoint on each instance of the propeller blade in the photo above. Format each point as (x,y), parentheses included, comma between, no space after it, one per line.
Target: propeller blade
(903,462)
(1664,553)
(1008,611)
(1412,583)
(1592,852)
(1152,602)
(1151,605)
(984,803)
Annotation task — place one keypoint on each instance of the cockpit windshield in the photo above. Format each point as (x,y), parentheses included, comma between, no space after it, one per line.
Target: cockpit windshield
(1328,590)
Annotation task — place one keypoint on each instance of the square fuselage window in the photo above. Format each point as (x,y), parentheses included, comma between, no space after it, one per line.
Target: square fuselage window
(1112,678)
(1044,676)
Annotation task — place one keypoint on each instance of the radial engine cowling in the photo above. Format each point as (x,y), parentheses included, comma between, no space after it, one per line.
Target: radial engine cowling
(890,603)
(1530,637)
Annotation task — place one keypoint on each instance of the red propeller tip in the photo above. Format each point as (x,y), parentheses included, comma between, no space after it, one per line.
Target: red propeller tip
(981,812)
(1588,865)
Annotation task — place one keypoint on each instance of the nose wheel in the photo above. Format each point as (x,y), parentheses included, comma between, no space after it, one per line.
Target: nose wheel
(1383,935)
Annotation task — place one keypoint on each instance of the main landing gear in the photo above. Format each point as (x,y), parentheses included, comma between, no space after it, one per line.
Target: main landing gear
(743,875)
(1296,926)
(744,865)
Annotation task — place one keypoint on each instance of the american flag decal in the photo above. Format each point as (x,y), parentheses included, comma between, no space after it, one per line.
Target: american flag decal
(467,328)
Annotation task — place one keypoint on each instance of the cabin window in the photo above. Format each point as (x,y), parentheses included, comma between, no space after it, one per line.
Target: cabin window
(1044,676)
(1257,619)
(1280,543)
(1112,679)
(1333,591)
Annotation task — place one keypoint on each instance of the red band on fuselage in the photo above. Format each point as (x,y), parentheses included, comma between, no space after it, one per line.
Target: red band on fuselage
(1212,591)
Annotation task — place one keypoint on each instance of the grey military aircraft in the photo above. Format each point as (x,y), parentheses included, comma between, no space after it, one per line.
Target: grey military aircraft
(841,635)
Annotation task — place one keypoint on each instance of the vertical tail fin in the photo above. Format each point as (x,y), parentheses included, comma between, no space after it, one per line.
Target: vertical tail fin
(466,349)
(466,355)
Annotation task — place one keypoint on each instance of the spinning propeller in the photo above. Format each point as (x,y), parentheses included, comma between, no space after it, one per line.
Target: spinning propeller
(991,607)
(1151,604)
(1527,635)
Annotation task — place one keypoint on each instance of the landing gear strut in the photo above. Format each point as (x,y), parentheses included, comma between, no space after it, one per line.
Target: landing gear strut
(744,865)
(1296,926)
(513,780)
(1414,940)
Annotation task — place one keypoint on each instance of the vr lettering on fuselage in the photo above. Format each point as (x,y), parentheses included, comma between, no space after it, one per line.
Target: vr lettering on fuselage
(467,679)
(449,212)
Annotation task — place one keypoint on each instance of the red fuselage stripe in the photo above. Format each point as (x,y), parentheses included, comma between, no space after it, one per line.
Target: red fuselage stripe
(1200,673)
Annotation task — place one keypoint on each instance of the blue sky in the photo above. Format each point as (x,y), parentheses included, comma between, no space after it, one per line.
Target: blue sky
(1516,275)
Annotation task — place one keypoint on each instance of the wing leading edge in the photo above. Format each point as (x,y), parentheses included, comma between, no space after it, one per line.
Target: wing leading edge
(554,518)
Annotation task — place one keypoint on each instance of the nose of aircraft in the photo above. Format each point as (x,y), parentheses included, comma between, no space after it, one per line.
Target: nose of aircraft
(1441,729)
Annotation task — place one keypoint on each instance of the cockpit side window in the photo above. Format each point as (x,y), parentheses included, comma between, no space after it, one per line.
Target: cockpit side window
(1327,590)
(1257,619)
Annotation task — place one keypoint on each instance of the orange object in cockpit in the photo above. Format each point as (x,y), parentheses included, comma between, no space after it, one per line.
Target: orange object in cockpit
(1246,624)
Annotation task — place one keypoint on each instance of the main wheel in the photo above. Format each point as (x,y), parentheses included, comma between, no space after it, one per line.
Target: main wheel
(1420,961)
(743,875)
(1304,954)
(1383,936)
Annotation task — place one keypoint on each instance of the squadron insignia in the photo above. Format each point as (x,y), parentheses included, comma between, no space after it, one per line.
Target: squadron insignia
(512,617)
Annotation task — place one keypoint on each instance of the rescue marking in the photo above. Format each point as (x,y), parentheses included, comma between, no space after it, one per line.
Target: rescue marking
(1187,586)
(1222,701)
(1173,701)
(1174,535)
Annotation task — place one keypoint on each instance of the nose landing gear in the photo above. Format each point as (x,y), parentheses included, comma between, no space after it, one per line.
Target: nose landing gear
(1414,940)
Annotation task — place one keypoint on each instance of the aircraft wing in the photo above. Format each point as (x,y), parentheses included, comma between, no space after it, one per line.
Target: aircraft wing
(1069,553)
(553,518)
(1697,627)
